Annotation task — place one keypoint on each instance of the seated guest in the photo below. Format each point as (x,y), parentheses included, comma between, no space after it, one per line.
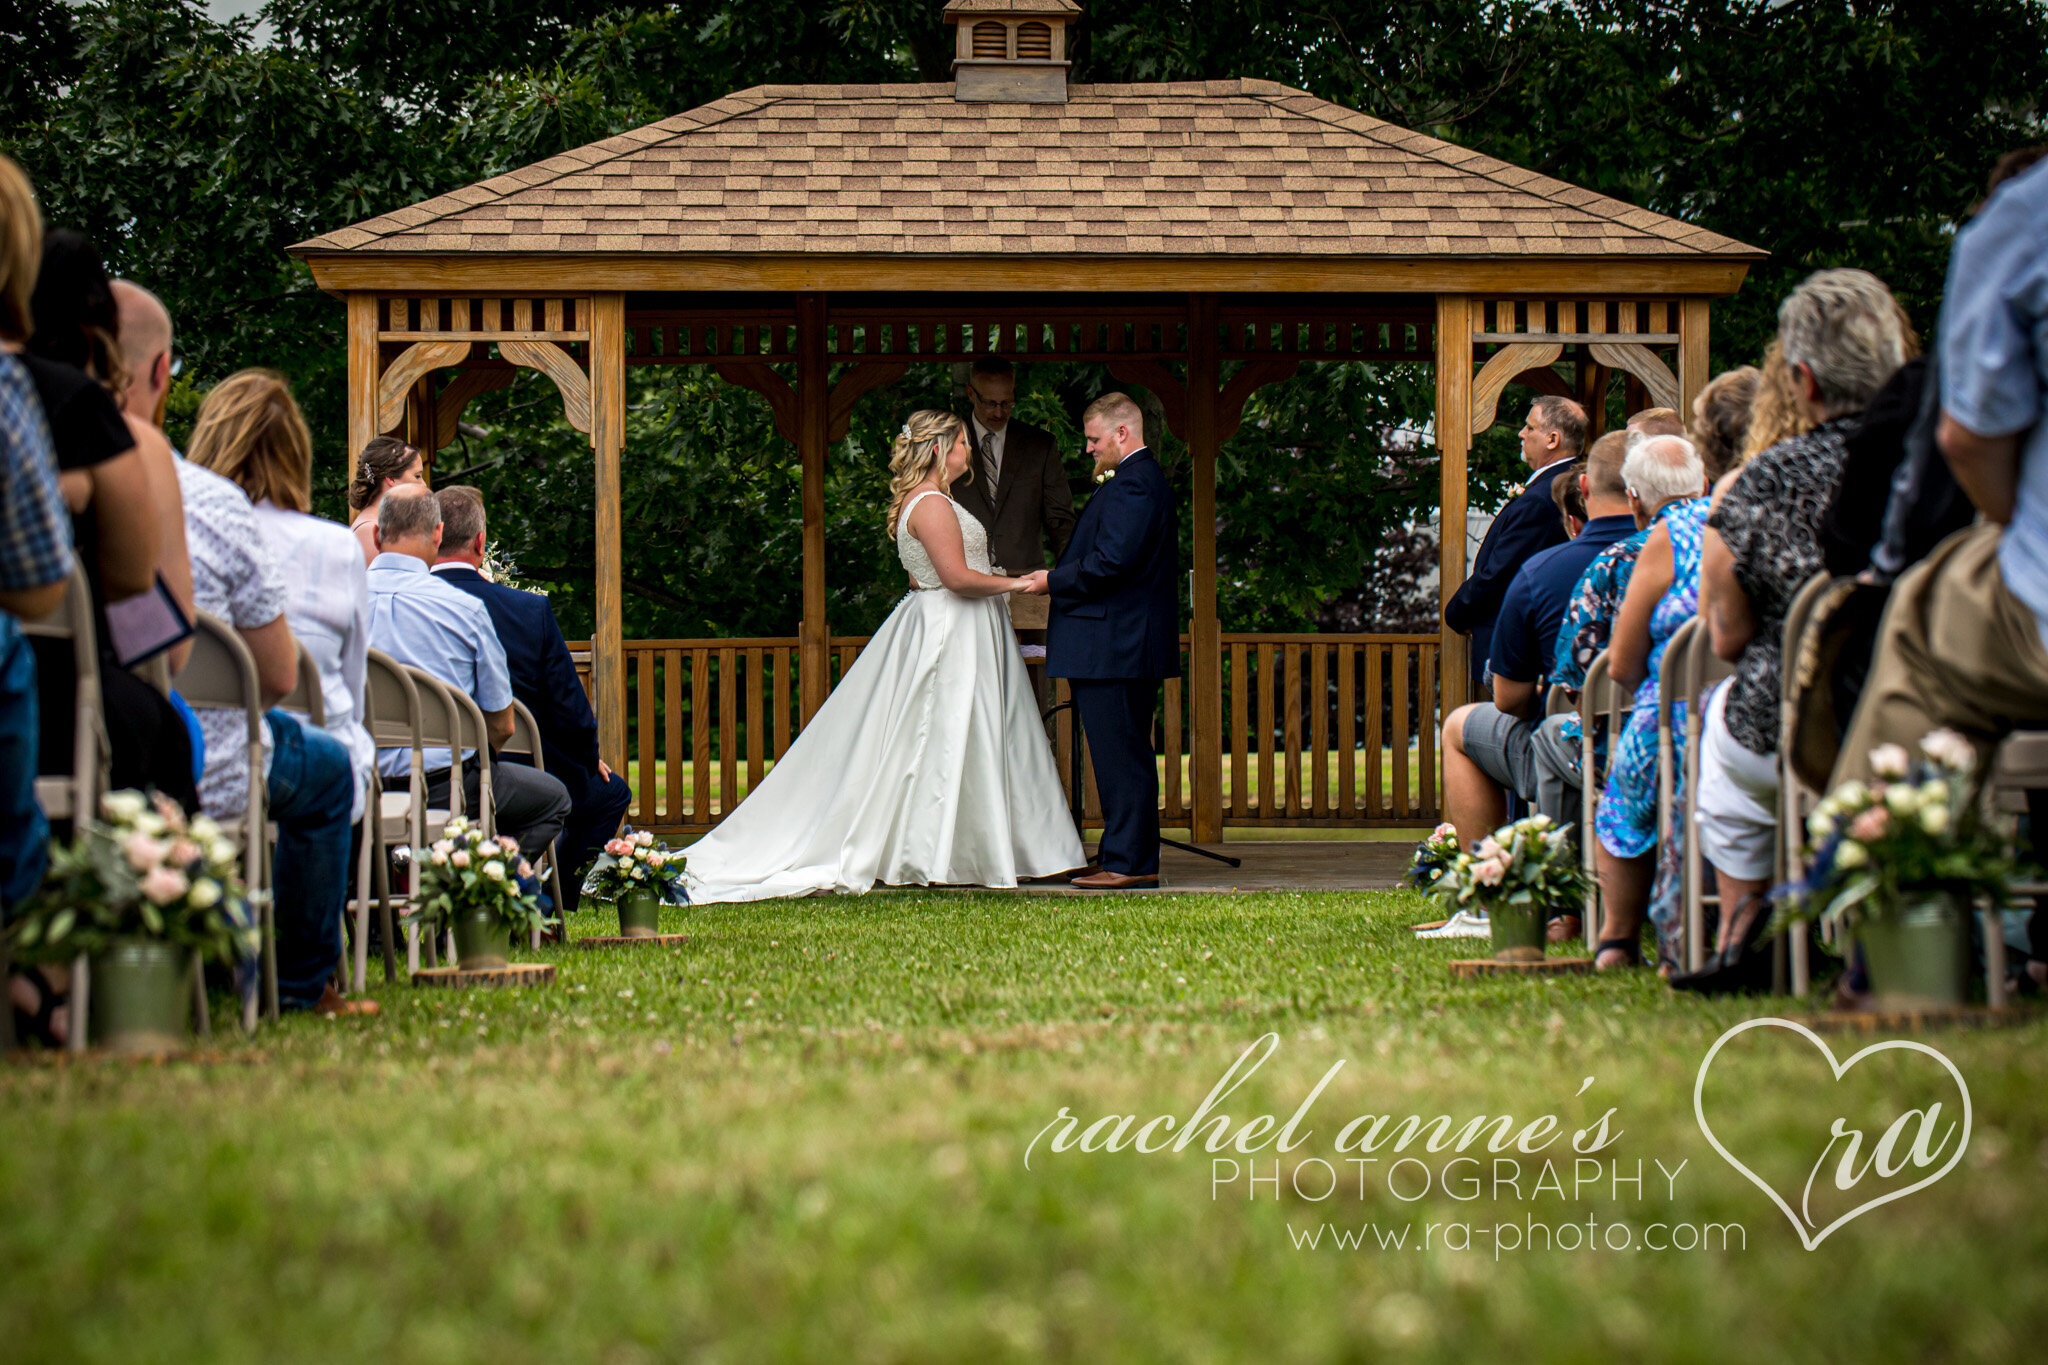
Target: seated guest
(544,678)
(1552,437)
(420,619)
(145,335)
(1666,486)
(1840,337)
(250,431)
(1962,644)
(382,465)
(1568,491)
(1720,420)
(309,788)
(1655,422)
(1489,748)
(120,492)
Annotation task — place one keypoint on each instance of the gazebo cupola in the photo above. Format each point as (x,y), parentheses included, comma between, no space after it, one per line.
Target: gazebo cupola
(1011,51)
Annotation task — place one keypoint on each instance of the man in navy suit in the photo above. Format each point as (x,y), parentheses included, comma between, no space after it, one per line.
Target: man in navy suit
(1114,632)
(1553,436)
(544,678)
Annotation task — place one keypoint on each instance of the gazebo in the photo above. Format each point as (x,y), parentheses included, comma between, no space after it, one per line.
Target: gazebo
(1200,239)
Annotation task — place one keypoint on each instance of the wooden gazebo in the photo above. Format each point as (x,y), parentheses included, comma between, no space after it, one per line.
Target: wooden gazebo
(1200,239)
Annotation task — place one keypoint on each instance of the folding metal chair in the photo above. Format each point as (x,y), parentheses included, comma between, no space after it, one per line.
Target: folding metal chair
(73,796)
(525,745)
(1702,669)
(221,675)
(1601,698)
(442,725)
(1796,800)
(392,715)
(2019,766)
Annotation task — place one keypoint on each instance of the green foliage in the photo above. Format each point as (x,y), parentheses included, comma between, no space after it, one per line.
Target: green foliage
(465,873)
(1530,863)
(1826,132)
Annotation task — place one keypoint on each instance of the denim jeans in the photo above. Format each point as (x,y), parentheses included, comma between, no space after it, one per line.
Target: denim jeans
(24,834)
(310,794)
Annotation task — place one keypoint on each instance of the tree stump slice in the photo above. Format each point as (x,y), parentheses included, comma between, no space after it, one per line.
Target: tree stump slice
(633,940)
(1915,1019)
(1468,969)
(511,974)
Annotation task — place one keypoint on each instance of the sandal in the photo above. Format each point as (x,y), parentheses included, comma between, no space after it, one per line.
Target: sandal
(1630,948)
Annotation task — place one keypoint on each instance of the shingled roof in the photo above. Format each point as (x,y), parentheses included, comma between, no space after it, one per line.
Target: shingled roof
(1216,168)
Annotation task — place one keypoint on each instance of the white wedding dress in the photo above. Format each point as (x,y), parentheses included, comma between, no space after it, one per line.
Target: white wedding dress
(928,764)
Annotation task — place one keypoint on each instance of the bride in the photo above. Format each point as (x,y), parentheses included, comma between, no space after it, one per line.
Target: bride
(929,763)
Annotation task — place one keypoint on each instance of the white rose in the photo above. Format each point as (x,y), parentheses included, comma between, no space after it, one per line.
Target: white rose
(1934,819)
(460,857)
(1933,792)
(1889,761)
(495,870)
(204,894)
(1820,826)
(643,838)
(1950,750)
(440,856)
(639,874)
(1901,800)
(204,830)
(1851,854)
(220,851)
(123,805)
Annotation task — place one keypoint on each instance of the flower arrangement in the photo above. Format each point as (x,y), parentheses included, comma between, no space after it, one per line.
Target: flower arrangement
(1917,829)
(139,871)
(637,863)
(1434,856)
(1531,863)
(467,871)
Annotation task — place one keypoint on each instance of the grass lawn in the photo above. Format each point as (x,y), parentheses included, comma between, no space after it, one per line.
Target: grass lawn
(802,1136)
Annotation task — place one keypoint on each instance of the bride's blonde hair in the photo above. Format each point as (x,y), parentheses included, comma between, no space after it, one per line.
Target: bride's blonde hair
(921,448)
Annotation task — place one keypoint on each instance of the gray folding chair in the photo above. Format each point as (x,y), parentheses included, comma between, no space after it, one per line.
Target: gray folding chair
(2019,766)
(73,796)
(392,715)
(442,725)
(221,675)
(525,745)
(1601,698)
(1702,669)
(1796,800)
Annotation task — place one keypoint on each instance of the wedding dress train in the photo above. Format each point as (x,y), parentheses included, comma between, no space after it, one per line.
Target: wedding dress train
(927,764)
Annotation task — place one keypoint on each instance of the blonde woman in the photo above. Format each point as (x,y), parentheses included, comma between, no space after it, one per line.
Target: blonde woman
(250,432)
(928,764)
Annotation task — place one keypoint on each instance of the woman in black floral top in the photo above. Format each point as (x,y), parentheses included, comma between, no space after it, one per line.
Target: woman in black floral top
(1842,336)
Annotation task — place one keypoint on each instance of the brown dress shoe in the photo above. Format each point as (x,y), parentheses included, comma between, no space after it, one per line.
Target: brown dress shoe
(332,1002)
(1106,880)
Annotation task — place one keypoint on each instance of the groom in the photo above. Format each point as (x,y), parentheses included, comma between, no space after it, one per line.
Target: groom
(1114,632)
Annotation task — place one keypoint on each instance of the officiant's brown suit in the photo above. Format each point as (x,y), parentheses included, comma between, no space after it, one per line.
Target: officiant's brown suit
(1031,499)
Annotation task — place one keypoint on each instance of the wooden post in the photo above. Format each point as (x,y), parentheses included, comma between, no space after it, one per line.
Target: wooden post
(422,420)
(1454,442)
(607,440)
(1205,632)
(814,419)
(362,375)
(1692,354)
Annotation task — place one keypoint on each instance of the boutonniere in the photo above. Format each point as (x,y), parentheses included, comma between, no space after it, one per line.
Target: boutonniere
(1106,475)
(1515,490)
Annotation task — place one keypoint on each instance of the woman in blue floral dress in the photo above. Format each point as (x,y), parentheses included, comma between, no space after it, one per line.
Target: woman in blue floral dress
(1663,594)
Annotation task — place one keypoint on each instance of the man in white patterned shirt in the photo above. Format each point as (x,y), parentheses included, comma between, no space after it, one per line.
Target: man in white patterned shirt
(309,784)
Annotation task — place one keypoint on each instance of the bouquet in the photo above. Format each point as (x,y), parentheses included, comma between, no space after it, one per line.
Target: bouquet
(1531,863)
(635,862)
(1917,830)
(139,871)
(467,871)
(1434,856)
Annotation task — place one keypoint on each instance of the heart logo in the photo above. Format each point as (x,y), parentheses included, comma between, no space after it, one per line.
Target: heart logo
(1799,1224)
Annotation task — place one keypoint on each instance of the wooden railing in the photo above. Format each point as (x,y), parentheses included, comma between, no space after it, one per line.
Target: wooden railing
(1320,731)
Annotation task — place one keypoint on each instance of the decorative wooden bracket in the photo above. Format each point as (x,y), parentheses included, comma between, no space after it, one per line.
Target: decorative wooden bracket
(420,358)
(1544,380)
(1501,369)
(1640,361)
(861,379)
(454,399)
(1153,376)
(557,364)
(770,385)
(1252,376)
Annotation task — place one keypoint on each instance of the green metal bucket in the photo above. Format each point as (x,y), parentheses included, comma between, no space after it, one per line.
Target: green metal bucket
(481,941)
(639,914)
(1517,932)
(1919,953)
(141,997)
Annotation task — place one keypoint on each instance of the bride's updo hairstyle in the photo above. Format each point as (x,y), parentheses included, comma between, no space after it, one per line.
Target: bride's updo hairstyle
(920,452)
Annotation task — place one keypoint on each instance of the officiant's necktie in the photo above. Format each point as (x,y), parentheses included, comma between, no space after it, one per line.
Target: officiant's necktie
(989,468)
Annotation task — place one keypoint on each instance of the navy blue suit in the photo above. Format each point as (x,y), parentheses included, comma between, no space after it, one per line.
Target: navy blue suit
(544,678)
(1113,633)
(1527,526)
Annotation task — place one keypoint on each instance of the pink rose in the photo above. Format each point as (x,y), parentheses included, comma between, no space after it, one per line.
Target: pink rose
(1870,825)
(144,852)
(460,858)
(1488,872)
(507,842)
(184,853)
(164,885)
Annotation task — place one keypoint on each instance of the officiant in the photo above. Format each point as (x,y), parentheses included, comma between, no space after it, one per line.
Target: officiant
(1019,490)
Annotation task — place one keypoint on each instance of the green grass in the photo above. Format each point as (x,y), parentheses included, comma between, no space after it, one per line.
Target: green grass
(802,1136)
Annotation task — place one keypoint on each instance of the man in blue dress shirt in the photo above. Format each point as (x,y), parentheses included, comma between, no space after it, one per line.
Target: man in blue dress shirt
(1552,437)
(436,627)
(543,678)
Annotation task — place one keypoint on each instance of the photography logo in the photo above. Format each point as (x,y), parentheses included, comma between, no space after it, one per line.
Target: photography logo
(1915,1140)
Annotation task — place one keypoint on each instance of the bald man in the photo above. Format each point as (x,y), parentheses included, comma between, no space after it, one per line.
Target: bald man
(146,355)
(145,350)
